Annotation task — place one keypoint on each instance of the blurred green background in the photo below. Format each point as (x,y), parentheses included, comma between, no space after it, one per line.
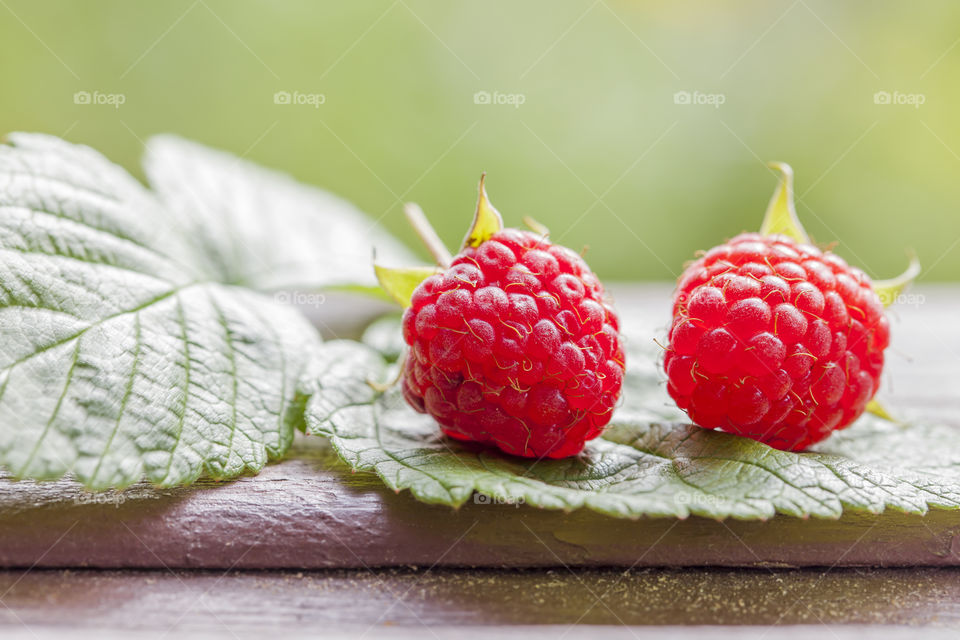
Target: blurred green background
(601,150)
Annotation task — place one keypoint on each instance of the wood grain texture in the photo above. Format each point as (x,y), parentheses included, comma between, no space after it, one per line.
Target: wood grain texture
(525,632)
(375,601)
(309,512)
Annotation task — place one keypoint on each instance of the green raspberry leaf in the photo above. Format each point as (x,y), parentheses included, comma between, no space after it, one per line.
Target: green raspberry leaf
(262,229)
(648,463)
(127,350)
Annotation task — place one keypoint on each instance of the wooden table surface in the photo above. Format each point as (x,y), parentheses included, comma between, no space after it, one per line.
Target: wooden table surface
(309,548)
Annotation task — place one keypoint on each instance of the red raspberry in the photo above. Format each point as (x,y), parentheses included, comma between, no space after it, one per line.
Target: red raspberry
(775,340)
(516,345)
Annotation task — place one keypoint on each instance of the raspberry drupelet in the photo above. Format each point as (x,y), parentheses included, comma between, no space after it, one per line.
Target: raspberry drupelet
(773,338)
(516,345)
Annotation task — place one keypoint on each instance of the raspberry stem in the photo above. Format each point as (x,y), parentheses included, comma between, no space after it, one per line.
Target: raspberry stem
(428,235)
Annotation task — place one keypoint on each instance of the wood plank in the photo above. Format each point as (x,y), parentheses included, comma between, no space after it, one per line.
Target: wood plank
(310,512)
(526,632)
(178,602)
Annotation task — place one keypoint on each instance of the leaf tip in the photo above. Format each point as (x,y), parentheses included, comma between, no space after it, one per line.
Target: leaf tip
(486,221)
(890,290)
(400,282)
(876,408)
(781,215)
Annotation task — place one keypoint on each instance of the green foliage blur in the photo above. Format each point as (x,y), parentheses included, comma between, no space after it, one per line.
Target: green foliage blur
(575,109)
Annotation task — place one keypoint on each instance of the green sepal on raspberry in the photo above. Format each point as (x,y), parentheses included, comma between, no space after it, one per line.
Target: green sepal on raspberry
(775,339)
(512,342)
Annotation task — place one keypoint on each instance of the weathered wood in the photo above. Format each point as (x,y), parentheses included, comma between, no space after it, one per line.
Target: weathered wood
(379,599)
(526,632)
(310,512)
